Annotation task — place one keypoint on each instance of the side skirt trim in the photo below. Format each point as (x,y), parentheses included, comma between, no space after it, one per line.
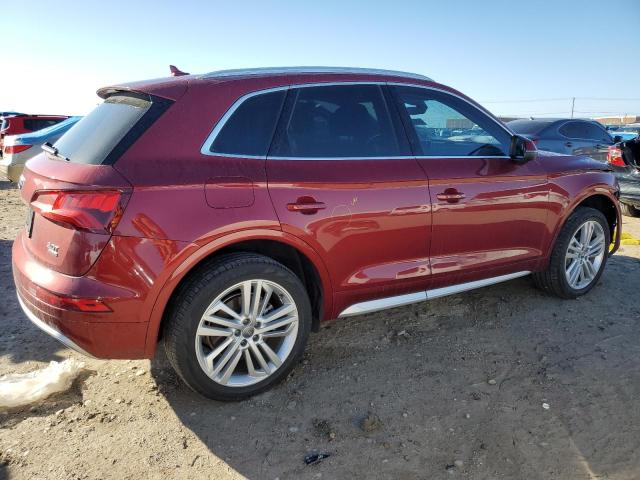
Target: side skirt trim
(400,300)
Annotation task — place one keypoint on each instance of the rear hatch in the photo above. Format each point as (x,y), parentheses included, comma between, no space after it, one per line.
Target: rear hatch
(74,196)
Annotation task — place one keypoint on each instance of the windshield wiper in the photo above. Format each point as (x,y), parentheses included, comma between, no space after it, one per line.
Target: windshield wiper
(47,147)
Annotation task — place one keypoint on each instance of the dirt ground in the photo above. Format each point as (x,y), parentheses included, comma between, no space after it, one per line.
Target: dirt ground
(453,388)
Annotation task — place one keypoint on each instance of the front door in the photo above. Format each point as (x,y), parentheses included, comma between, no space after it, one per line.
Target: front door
(489,213)
(342,178)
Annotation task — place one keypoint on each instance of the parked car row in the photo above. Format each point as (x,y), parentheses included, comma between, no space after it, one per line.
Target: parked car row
(18,149)
(21,136)
(590,138)
(295,195)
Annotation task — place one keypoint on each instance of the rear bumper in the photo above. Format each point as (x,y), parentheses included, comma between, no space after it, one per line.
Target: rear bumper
(50,330)
(116,334)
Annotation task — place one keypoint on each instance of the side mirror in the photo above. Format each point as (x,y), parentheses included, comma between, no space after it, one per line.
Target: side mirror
(522,149)
(617,139)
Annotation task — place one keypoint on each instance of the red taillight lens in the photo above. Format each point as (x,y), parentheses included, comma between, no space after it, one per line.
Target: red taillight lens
(614,157)
(97,211)
(9,149)
(70,303)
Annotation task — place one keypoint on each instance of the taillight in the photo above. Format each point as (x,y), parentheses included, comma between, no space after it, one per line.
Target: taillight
(9,149)
(614,157)
(97,211)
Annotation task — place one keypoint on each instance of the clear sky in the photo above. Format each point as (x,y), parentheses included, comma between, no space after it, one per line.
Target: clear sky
(515,57)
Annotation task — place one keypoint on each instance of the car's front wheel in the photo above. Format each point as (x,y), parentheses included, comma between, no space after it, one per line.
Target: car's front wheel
(238,326)
(579,255)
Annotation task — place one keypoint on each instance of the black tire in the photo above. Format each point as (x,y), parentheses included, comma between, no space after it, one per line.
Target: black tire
(553,279)
(196,294)
(629,210)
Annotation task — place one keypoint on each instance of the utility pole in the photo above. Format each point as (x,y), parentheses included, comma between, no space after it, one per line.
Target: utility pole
(573,104)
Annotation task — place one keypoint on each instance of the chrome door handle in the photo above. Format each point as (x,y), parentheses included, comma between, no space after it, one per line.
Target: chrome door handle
(450,197)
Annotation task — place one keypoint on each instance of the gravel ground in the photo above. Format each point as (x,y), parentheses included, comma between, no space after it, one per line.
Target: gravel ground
(454,388)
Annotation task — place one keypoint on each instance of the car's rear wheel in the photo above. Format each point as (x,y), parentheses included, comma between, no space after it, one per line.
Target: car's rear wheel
(579,255)
(238,326)
(629,210)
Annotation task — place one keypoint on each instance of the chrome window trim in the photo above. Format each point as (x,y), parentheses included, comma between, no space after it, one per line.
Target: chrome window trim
(407,299)
(208,143)
(206,147)
(319,69)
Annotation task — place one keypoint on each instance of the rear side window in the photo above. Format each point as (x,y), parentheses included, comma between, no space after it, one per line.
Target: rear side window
(249,129)
(93,138)
(337,121)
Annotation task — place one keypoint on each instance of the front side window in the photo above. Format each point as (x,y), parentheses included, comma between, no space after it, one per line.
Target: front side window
(249,129)
(338,121)
(446,126)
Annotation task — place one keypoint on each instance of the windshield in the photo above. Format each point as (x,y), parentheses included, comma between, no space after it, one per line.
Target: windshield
(94,137)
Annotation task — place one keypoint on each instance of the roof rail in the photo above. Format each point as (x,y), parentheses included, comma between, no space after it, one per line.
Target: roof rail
(292,70)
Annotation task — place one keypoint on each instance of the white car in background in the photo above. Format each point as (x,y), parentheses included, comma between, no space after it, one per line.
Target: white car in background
(17,149)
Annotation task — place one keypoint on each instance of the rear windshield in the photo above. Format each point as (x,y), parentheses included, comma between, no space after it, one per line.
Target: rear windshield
(94,137)
(528,127)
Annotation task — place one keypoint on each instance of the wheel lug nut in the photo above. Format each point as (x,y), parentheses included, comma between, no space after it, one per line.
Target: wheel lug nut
(237,333)
(243,343)
(245,321)
(256,338)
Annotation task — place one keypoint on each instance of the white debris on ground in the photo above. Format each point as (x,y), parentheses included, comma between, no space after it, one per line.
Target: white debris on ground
(17,390)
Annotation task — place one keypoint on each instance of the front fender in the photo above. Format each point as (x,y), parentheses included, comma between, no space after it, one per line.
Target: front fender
(566,202)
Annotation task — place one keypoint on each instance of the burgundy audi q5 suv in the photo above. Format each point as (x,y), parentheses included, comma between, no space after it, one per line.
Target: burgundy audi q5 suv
(228,214)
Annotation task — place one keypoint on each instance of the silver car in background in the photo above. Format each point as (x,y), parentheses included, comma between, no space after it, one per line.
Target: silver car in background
(17,149)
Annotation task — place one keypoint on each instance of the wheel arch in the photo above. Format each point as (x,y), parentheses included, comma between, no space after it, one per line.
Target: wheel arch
(287,249)
(600,199)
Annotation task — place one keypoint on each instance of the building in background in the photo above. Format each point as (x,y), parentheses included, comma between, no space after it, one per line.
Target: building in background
(619,120)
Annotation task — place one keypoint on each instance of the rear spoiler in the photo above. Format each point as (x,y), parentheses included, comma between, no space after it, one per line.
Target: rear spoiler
(171,88)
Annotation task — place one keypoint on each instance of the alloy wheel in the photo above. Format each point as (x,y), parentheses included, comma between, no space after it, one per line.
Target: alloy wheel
(246,333)
(585,254)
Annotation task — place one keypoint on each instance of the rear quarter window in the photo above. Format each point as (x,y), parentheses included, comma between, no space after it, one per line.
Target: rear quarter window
(248,129)
(94,138)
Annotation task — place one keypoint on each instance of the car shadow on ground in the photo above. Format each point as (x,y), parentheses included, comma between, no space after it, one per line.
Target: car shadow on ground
(16,342)
(503,381)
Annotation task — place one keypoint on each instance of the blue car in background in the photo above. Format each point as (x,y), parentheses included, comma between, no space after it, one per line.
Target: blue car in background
(17,149)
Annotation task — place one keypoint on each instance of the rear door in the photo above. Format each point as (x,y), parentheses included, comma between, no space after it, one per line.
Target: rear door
(342,178)
(488,212)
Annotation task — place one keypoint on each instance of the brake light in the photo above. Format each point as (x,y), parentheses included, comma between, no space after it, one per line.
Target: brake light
(614,157)
(9,149)
(97,211)
(70,303)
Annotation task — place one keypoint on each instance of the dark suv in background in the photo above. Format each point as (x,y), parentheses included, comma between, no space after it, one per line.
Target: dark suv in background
(567,135)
